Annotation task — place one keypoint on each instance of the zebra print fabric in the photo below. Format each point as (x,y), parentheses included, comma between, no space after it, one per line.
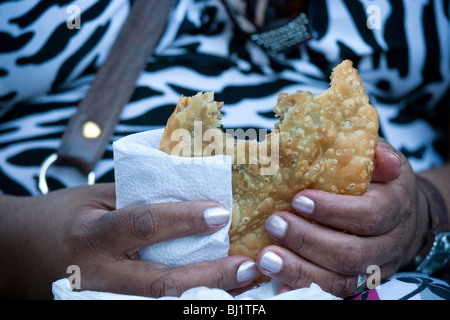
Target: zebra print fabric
(46,68)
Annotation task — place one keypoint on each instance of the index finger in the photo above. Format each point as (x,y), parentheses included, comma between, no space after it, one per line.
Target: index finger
(367,215)
(132,228)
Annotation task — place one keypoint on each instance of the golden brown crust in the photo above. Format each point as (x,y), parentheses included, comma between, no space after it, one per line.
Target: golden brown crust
(327,142)
(201,108)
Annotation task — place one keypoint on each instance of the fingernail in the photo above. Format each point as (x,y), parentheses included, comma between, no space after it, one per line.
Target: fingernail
(247,271)
(388,153)
(271,262)
(216,216)
(303,204)
(397,158)
(276,226)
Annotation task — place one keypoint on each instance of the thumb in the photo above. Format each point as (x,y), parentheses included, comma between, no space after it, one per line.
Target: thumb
(388,163)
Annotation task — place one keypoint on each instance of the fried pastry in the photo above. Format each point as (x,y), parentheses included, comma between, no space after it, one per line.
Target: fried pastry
(323,141)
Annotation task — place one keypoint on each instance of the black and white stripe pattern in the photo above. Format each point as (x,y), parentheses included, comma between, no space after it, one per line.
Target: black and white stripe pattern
(404,65)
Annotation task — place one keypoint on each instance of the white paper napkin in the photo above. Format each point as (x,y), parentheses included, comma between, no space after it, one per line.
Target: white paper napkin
(144,174)
(267,291)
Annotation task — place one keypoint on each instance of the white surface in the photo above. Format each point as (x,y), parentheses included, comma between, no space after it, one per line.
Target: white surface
(267,291)
(144,175)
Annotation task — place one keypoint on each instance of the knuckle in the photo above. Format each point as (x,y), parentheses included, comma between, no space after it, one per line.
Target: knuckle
(142,223)
(300,241)
(190,217)
(297,274)
(220,282)
(352,257)
(299,278)
(373,217)
(372,223)
(165,285)
(171,288)
(342,286)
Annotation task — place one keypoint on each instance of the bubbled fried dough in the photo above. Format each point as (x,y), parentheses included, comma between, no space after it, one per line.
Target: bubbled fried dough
(327,142)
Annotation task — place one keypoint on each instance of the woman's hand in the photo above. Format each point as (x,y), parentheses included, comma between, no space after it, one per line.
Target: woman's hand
(382,228)
(40,237)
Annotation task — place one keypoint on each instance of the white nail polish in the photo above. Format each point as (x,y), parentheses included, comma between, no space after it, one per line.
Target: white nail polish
(276,226)
(216,216)
(303,204)
(271,262)
(247,271)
